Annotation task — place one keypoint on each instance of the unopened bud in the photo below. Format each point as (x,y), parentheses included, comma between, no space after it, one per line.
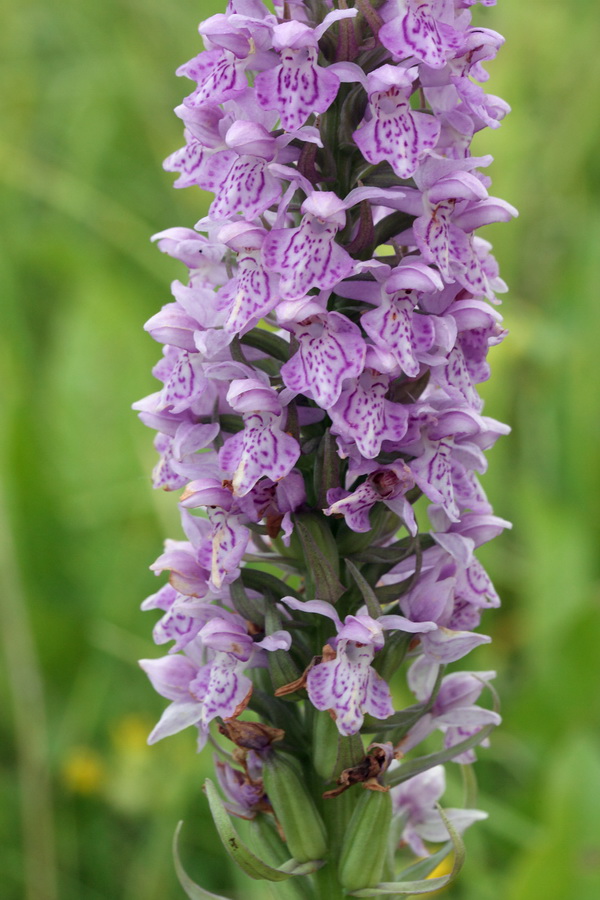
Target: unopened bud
(363,857)
(295,809)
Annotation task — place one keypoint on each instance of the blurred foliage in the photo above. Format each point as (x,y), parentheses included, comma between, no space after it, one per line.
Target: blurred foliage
(88,810)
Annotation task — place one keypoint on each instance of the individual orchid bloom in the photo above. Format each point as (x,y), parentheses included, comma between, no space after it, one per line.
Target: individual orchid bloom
(299,87)
(348,685)
(183,617)
(247,175)
(245,793)
(262,449)
(454,711)
(331,349)
(227,687)
(173,325)
(185,383)
(191,162)
(415,30)
(275,503)
(414,803)
(252,292)
(188,574)
(202,256)
(432,473)
(236,43)
(433,599)
(242,175)
(394,327)
(387,484)
(220,75)
(229,541)
(394,132)
(365,416)
(308,256)
(244,28)
(454,378)
(200,692)
(454,201)
(227,537)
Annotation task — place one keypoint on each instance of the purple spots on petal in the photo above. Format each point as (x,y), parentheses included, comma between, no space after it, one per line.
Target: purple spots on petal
(297,88)
(330,349)
(248,190)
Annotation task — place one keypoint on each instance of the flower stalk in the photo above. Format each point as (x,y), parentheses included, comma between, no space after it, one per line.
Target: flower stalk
(319,412)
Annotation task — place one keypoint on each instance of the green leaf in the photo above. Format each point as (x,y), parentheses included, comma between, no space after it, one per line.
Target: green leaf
(368,594)
(406,718)
(248,608)
(287,563)
(320,569)
(192,890)
(257,580)
(425,867)
(327,468)
(238,851)
(391,657)
(231,424)
(387,593)
(293,867)
(277,712)
(423,763)
(405,888)
(268,343)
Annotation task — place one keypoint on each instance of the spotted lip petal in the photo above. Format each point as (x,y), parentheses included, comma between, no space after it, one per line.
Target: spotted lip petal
(331,349)
(308,256)
(350,687)
(364,415)
(262,449)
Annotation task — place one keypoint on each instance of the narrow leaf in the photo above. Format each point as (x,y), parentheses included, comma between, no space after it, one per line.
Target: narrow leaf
(387,593)
(406,718)
(293,867)
(425,867)
(423,763)
(287,563)
(268,343)
(248,608)
(327,468)
(235,847)
(192,890)
(320,570)
(368,594)
(257,580)
(422,885)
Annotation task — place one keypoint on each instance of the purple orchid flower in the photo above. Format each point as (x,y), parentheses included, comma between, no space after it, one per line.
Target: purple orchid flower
(298,87)
(394,132)
(414,803)
(308,256)
(348,685)
(199,690)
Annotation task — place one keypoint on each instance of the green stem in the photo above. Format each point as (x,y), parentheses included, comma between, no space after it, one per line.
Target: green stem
(327,886)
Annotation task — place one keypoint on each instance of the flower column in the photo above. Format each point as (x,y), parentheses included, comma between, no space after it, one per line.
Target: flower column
(319,376)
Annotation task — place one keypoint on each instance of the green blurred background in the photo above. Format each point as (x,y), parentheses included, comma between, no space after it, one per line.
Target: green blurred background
(87,809)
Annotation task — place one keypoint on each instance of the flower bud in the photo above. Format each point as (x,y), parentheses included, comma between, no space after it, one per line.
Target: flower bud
(295,809)
(362,859)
